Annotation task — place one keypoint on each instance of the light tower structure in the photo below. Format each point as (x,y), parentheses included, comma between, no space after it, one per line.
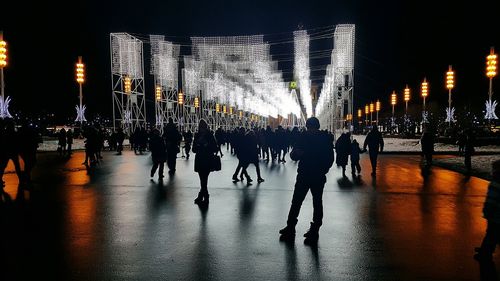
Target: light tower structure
(4,102)
(127,72)
(424,89)
(164,68)
(491,72)
(450,83)
(377,108)
(336,97)
(394,97)
(80,78)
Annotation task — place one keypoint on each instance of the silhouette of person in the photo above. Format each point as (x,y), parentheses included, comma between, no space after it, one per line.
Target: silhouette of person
(188,140)
(468,150)
(250,155)
(120,137)
(158,153)
(28,144)
(427,143)
(375,143)
(314,151)
(172,139)
(491,212)
(219,137)
(343,148)
(9,149)
(204,146)
(69,141)
(355,151)
(62,142)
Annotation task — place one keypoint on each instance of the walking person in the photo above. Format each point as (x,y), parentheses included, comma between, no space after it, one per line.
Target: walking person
(427,143)
(375,143)
(188,140)
(28,145)
(9,149)
(355,151)
(219,137)
(468,150)
(62,142)
(314,151)
(204,145)
(120,138)
(491,212)
(69,141)
(158,153)
(172,140)
(343,148)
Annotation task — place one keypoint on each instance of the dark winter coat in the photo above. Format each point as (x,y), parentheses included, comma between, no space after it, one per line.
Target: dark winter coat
(204,145)
(314,151)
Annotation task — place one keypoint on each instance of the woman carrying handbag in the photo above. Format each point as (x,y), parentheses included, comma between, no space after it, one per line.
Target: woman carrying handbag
(204,145)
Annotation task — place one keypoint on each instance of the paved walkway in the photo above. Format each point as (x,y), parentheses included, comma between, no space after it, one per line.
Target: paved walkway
(113,223)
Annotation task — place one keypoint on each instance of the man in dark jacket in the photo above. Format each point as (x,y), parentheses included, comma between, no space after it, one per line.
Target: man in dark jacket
(374,142)
(158,153)
(172,140)
(314,151)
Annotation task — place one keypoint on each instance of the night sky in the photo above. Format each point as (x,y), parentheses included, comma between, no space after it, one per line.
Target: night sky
(397,43)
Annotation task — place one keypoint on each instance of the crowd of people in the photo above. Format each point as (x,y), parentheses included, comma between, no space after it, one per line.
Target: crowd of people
(311,147)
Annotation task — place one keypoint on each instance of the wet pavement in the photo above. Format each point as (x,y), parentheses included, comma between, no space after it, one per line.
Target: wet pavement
(113,223)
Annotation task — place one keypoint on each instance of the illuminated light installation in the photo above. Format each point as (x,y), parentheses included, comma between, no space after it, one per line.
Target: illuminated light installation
(377,108)
(80,78)
(164,68)
(367,111)
(424,93)
(336,96)
(4,102)
(450,83)
(301,69)
(372,109)
(129,107)
(238,72)
(406,98)
(491,71)
(393,104)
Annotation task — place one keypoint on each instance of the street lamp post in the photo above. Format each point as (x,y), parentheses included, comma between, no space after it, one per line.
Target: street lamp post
(450,83)
(393,103)
(377,108)
(367,110)
(424,92)
(80,78)
(406,98)
(491,71)
(372,108)
(360,114)
(4,102)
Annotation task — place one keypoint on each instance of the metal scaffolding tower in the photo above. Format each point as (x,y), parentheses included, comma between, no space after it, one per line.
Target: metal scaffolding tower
(127,72)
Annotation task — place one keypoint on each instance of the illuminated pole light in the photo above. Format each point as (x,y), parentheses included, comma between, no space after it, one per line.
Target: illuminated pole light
(180,98)
(80,78)
(224,109)
(491,71)
(196,102)
(372,108)
(424,91)
(4,102)
(407,98)
(367,111)
(127,87)
(377,108)
(241,114)
(231,110)
(393,103)
(217,107)
(158,93)
(450,83)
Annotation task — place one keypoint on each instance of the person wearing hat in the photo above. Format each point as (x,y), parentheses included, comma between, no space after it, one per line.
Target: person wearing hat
(314,152)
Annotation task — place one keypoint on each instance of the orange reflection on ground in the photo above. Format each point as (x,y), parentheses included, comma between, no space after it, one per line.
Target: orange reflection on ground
(82,227)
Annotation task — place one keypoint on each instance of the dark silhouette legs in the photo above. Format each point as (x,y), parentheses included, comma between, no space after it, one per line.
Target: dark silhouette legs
(203,196)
